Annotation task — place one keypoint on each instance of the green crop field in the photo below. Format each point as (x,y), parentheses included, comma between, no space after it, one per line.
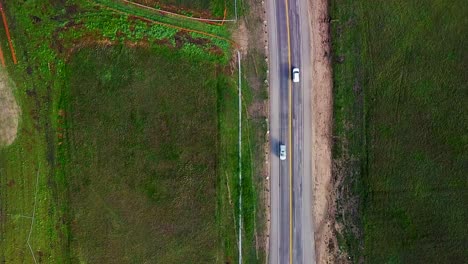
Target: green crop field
(127,148)
(400,122)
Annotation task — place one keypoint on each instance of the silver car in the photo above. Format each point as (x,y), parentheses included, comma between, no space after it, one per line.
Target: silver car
(282,152)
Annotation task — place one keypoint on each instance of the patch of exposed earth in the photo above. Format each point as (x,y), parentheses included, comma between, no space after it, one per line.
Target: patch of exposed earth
(322,101)
(9,111)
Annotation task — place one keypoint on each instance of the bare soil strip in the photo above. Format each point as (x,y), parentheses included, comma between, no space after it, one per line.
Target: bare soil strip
(9,112)
(322,101)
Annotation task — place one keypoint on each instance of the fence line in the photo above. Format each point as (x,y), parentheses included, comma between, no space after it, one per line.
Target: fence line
(240,157)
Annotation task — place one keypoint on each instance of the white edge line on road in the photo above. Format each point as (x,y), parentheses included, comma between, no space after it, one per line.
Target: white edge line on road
(240,157)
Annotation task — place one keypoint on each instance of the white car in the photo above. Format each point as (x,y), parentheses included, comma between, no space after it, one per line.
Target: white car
(295,75)
(282,152)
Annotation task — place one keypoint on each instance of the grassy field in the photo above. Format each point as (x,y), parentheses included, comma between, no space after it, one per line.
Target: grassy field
(400,125)
(121,152)
(142,147)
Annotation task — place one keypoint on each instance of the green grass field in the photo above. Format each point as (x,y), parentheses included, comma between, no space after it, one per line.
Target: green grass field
(401,120)
(127,147)
(142,143)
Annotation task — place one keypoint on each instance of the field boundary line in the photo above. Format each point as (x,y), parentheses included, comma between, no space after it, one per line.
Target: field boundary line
(240,155)
(33,216)
(180,15)
(19,215)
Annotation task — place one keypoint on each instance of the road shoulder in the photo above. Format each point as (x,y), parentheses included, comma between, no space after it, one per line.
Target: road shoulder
(321,130)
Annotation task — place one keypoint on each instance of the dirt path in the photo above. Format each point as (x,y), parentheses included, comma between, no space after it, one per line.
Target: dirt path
(9,112)
(322,105)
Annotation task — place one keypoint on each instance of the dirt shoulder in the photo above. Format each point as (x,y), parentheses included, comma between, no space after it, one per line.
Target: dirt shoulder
(9,112)
(322,105)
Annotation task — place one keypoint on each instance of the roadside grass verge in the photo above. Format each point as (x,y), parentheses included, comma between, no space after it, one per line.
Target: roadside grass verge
(349,145)
(228,127)
(253,158)
(400,125)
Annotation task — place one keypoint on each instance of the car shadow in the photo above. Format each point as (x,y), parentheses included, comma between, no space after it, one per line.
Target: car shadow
(275,146)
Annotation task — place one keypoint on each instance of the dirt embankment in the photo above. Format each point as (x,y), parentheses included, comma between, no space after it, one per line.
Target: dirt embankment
(322,103)
(9,111)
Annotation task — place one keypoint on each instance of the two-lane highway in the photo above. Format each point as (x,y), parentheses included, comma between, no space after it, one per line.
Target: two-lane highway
(291,231)
(279,134)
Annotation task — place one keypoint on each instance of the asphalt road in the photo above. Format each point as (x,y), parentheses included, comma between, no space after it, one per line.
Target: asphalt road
(291,230)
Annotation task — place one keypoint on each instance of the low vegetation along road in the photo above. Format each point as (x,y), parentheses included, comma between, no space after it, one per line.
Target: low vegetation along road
(291,236)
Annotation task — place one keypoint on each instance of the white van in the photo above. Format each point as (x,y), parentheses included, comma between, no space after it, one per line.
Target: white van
(295,75)
(282,152)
